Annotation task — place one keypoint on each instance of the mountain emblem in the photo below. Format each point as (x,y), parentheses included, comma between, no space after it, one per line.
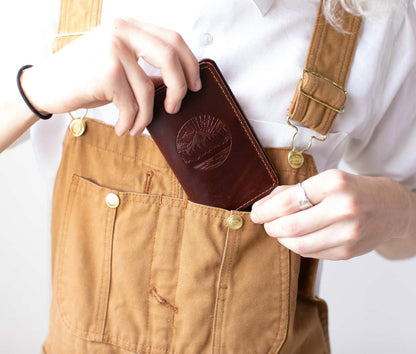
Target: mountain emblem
(204,142)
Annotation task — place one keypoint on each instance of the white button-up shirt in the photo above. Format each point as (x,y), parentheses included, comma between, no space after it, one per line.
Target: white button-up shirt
(260,47)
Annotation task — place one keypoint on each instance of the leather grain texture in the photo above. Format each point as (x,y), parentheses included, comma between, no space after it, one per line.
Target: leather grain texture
(210,146)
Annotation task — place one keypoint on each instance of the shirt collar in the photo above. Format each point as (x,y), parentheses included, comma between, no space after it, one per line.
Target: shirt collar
(263,6)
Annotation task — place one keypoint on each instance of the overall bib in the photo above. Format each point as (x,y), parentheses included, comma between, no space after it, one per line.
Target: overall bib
(138,268)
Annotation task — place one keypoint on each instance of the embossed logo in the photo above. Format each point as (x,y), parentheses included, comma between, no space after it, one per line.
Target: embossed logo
(204,142)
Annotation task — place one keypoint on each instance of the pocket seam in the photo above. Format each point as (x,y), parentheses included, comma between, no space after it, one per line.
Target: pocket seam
(146,198)
(150,277)
(81,333)
(127,157)
(102,307)
(172,346)
(285,298)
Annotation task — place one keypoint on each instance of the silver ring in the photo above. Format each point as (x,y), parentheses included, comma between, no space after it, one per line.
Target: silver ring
(303,201)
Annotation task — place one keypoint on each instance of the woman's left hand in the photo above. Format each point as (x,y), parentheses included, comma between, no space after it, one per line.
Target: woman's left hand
(351,215)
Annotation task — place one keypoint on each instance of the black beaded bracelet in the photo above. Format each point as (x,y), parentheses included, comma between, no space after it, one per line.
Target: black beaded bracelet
(19,86)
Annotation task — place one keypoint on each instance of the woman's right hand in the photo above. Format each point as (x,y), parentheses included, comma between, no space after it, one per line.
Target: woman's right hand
(102,67)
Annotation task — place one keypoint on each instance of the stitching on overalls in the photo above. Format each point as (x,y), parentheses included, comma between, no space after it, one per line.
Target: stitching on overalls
(120,342)
(90,187)
(81,333)
(216,306)
(97,315)
(175,186)
(235,246)
(109,262)
(284,297)
(172,193)
(161,300)
(178,276)
(150,277)
(73,189)
(185,204)
(219,310)
(160,199)
(128,157)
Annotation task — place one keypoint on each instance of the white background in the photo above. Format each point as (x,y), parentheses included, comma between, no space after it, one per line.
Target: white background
(372,301)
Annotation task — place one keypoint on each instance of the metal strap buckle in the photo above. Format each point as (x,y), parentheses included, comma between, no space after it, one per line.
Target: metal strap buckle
(313,98)
(295,156)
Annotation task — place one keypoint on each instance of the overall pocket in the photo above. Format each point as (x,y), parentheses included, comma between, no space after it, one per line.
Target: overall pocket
(161,274)
(106,251)
(83,268)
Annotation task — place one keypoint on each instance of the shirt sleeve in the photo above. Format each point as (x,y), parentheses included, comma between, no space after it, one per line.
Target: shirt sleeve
(390,149)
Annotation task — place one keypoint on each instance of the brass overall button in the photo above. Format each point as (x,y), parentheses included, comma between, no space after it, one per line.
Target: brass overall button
(77,127)
(112,200)
(295,159)
(235,222)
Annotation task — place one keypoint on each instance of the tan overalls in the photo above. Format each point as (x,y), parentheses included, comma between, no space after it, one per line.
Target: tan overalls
(137,268)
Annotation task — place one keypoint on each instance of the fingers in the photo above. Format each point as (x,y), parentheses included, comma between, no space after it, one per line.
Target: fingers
(275,191)
(335,235)
(108,72)
(317,188)
(177,66)
(337,225)
(188,61)
(283,202)
(126,103)
(337,253)
(302,222)
(142,88)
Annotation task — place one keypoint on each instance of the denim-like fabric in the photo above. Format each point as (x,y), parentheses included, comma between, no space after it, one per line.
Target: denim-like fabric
(161,274)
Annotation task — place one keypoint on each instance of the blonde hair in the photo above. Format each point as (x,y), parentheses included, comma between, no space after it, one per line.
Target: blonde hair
(364,8)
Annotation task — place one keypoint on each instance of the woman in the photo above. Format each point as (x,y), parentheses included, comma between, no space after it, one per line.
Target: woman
(351,215)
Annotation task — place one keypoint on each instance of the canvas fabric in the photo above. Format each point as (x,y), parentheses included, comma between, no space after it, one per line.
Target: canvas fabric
(161,274)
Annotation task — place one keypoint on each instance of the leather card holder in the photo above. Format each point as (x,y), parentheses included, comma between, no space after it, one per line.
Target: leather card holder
(211,147)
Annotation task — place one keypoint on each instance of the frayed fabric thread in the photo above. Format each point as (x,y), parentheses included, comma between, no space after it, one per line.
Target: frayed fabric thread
(161,300)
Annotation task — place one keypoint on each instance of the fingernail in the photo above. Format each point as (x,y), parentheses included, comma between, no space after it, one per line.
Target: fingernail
(119,132)
(198,84)
(255,204)
(177,108)
(260,201)
(254,217)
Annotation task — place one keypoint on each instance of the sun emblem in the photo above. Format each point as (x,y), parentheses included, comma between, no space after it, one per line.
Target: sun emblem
(204,142)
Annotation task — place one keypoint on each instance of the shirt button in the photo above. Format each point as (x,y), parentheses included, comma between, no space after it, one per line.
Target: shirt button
(235,222)
(112,200)
(206,38)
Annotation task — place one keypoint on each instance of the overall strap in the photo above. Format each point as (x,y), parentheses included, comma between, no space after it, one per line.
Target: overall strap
(320,95)
(76,18)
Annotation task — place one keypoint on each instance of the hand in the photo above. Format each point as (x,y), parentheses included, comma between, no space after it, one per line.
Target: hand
(102,67)
(351,215)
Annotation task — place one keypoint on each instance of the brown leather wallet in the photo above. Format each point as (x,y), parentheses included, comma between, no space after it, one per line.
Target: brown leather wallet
(210,146)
